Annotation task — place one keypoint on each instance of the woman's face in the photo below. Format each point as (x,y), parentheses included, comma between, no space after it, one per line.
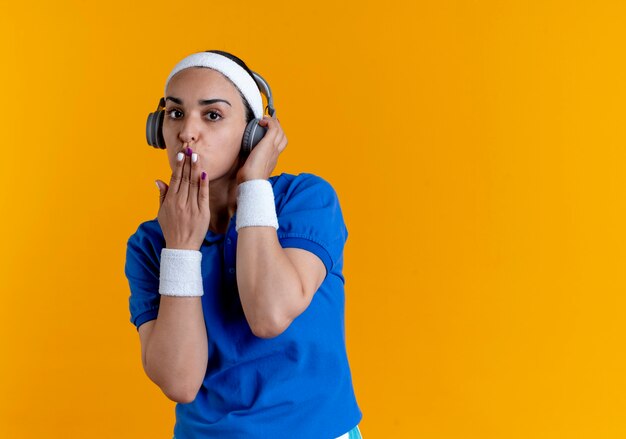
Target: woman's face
(214,130)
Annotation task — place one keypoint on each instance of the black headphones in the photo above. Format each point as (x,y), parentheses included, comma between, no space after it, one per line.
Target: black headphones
(251,136)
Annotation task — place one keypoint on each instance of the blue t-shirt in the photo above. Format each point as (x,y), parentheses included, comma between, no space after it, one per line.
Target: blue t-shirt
(299,381)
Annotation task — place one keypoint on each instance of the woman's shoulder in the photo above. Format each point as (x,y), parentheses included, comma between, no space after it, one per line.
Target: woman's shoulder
(147,231)
(305,191)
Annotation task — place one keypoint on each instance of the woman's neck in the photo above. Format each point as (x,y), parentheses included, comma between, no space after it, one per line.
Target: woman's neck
(222,201)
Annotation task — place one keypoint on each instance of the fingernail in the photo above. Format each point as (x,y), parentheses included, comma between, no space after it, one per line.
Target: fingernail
(189,151)
(157,183)
(194,157)
(203,175)
(180,156)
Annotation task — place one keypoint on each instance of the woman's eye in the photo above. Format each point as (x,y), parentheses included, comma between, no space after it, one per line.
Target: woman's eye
(171,112)
(219,116)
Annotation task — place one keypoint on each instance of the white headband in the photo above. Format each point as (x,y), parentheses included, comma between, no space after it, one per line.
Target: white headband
(233,71)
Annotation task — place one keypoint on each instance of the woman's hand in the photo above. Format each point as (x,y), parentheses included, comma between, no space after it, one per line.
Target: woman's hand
(262,160)
(184,213)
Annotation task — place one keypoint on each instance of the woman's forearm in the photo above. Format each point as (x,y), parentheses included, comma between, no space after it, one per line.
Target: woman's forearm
(177,351)
(269,286)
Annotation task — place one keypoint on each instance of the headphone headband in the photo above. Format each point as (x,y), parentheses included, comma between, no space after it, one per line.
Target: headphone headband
(263,85)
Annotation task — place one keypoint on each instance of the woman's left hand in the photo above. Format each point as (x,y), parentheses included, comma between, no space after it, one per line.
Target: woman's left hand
(262,160)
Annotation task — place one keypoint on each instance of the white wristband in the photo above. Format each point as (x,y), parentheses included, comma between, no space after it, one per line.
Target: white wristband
(181,273)
(255,204)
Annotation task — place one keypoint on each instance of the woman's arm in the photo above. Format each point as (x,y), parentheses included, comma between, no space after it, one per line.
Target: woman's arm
(275,284)
(176,354)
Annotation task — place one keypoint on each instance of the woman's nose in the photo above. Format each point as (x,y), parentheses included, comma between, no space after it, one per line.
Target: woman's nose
(189,131)
(186,138)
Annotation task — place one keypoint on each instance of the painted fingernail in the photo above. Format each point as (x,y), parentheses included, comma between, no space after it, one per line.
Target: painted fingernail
(189,151)
(180,156)
(194,157)
(203,176)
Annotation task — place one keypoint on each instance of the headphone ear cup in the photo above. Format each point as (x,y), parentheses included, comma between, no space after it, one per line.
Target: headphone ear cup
(154,129)
(252,136)
(150,130)
(159,129)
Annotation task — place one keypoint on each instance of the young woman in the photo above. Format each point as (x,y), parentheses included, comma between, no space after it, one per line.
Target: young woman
(236,286)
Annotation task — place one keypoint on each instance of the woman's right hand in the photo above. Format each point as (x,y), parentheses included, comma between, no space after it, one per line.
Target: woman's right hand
(184,214)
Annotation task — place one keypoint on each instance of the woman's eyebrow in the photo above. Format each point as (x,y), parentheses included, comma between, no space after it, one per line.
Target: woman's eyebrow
(179,101)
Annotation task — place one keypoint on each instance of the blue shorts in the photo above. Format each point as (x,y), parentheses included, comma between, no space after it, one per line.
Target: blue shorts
(355,433)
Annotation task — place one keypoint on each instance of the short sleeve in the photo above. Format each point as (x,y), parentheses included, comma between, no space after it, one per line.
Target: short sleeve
(310,218)
(142,271)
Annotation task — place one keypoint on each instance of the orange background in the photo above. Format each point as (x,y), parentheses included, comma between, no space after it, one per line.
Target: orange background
(477,149)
